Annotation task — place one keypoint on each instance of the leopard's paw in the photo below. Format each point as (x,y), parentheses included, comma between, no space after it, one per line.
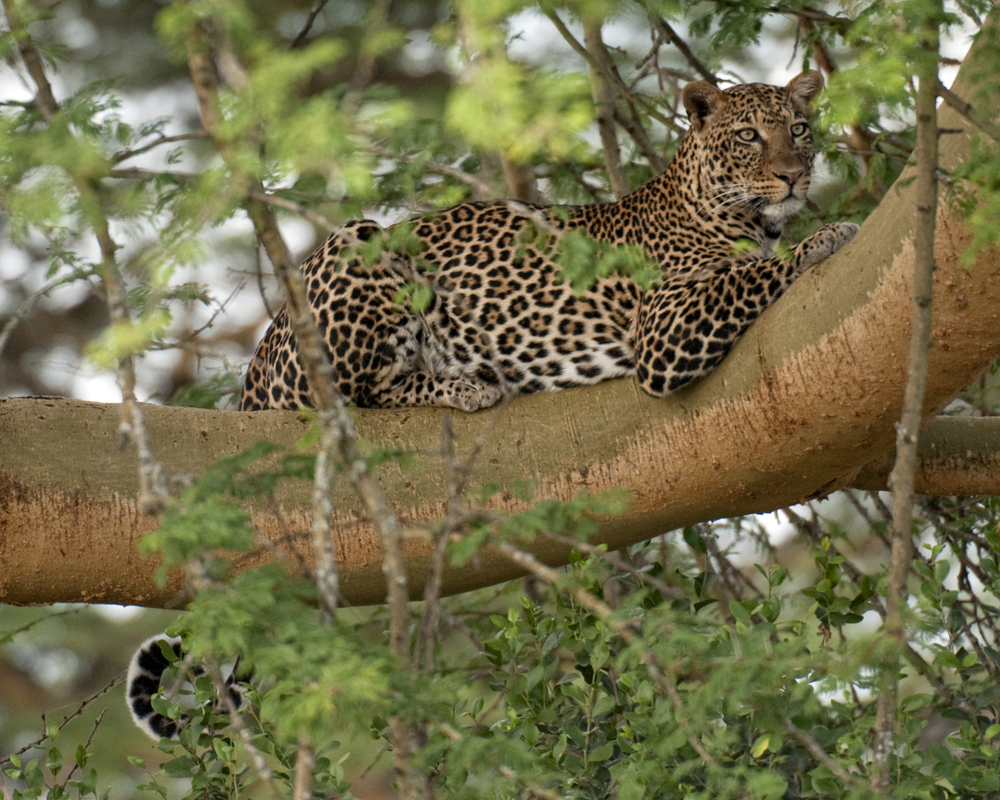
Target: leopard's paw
(825,242)
(474,395)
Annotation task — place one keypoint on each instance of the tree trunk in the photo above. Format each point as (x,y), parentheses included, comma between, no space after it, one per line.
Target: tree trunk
(800,408)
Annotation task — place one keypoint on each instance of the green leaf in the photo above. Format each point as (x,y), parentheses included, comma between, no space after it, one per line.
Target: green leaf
(760,746)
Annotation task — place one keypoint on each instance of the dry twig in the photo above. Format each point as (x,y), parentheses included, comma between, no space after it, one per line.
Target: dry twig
(901,477)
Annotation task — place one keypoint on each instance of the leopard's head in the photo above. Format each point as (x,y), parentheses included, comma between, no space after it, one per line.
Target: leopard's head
(754,144)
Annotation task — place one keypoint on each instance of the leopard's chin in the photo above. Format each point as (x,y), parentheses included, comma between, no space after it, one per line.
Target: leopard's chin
(782,210)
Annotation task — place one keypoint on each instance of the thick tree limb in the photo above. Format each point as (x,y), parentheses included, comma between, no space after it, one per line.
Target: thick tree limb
(805,401)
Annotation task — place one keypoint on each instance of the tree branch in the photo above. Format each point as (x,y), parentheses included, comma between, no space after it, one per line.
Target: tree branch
(670,36)
(902,476)
(605,100)
(608,74)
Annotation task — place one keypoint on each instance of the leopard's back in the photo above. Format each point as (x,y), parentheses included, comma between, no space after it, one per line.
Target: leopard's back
(501,321)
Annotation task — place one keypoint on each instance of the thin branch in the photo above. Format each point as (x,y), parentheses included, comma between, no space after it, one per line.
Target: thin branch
(331,408)
(84,704)
(671,37)
(327,576)
(376,19)
(608,74)
(901,478)
(861,140)
(430,617)
(519,179)
(153,494)
(305,764)
(642,141)
(86,746)
(25,308)
(45,99)
(603,611)
(605,99)
(968,111)
(124,155)
(301,38)
(320,221)
(818,752)
(621,564)
(236,721)
(139,174)
(841,24)
(185,340)
(482,188)
(532,788)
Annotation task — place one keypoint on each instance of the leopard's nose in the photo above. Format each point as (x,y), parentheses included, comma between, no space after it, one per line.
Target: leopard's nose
(789,176)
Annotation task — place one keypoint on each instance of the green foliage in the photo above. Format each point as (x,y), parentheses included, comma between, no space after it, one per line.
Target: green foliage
(209,392)
(621,680)
(549,110)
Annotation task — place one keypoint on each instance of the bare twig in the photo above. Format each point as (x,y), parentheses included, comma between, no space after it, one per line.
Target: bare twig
(607,73)
(604,98)
(84,704)
(819,753)
(26,307)
(86,746)
(967,111)
(901,477)
(117,158)
(300,40)
(670,36)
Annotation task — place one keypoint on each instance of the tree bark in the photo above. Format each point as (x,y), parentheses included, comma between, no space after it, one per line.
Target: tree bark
(800,408)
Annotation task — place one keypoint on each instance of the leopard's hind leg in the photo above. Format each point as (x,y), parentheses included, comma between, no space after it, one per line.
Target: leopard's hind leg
(421,388)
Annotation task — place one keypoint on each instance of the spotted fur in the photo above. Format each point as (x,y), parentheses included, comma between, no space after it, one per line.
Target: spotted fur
(143,682)
(500,320)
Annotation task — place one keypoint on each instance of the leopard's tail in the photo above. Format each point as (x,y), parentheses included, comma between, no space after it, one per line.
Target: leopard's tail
(144,675)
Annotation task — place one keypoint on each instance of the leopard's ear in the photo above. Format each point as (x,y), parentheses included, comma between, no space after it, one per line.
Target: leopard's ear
(701,100)
(803,88)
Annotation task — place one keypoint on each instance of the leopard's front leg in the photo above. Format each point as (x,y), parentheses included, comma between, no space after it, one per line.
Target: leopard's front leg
(687,326)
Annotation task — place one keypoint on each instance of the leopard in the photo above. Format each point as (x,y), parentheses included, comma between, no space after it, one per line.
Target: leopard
(503,321)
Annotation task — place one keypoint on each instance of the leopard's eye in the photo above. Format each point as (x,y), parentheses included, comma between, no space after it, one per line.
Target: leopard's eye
(747,135)
(799,129)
